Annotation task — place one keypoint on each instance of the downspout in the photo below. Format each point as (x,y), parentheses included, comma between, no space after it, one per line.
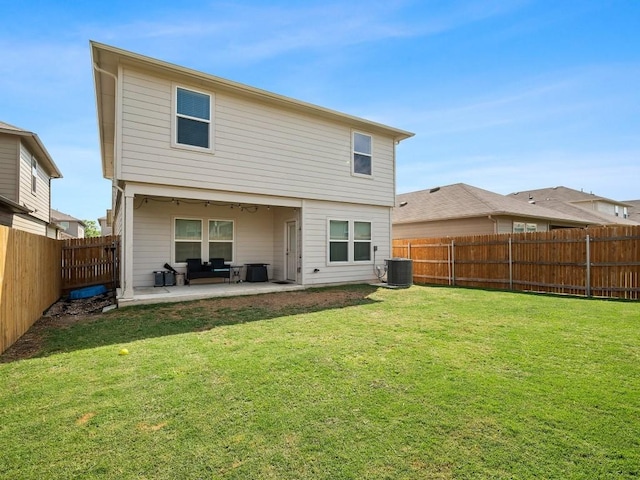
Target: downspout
(115,79)
(96,67)
(495,223)
(114,184)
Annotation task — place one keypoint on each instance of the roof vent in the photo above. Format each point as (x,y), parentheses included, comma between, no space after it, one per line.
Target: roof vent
(434,190)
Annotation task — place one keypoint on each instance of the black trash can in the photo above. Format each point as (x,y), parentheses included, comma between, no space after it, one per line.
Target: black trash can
(257,272)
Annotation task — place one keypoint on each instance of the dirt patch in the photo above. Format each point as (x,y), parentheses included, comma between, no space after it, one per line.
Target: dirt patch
(66,313)
(80,307)
(281,301)
(61,314)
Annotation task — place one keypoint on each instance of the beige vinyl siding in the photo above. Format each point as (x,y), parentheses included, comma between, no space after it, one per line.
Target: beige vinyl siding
(443,228)
(153,235)
(257,148)
(52,232)
(505,225)
(608,208)
(314,228)
(117,225)
(39,202)
(29,224)
(8,166)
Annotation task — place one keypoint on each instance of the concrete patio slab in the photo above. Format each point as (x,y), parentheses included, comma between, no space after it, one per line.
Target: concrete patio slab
(183,293)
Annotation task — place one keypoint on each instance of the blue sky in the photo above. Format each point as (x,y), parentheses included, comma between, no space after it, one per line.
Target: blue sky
(504,95)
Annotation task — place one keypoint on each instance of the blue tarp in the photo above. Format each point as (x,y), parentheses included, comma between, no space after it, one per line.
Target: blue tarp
(87,292)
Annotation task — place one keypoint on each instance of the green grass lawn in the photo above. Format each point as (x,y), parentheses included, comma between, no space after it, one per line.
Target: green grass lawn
(415,383)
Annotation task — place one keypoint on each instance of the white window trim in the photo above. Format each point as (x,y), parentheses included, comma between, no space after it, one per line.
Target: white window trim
(174,241)
(204,238)
(525,226)
(350,242)
(370,241)
(353,152)
(34,175)
(174,117)
(233,240)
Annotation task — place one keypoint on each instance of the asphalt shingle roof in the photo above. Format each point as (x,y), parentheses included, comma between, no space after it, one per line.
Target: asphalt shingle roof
(573,202)
(465,201)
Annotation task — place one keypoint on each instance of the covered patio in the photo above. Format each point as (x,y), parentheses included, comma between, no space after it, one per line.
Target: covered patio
(183,293)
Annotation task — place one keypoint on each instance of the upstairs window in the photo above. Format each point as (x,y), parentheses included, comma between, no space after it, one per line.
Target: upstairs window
(193,119)
(34,174)
(362,157)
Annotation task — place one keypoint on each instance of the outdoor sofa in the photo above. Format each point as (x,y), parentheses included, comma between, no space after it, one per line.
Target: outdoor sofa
(216,268)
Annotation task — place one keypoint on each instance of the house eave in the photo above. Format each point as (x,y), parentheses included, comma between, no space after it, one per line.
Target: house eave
(13,207)
(578,223)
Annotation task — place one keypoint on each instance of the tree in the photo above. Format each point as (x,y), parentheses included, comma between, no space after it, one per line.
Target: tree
(91,228)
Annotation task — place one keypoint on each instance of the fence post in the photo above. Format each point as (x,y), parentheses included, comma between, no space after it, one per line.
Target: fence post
(588,279)
(409,251)
(449,263)
(453,262)
(510,266)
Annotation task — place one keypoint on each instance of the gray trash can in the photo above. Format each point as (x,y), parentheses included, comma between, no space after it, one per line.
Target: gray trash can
(158,278)
(169,278)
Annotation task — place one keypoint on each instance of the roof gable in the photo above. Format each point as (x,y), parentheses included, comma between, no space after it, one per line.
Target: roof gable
(57,216)
(35,145)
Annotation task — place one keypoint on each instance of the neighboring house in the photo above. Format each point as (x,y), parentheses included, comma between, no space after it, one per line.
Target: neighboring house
(203,167)
(634,210)
(70,227)
(26,170)
(597,210)
(105,224)
(461,209)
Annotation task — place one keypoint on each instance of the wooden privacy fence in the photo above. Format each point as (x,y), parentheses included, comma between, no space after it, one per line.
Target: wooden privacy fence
(30,281)
(90,261)
(601,262)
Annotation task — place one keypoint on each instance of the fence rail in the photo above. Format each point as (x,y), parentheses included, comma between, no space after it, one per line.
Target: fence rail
(30,281)
(90,261)
(602,262)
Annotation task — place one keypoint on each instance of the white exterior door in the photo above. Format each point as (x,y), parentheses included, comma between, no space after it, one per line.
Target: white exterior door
(292,251)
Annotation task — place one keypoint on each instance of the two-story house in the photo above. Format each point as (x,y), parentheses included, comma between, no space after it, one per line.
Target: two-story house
(203,167)
(596,209)
(105,224)
(70,227)
(25,181)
